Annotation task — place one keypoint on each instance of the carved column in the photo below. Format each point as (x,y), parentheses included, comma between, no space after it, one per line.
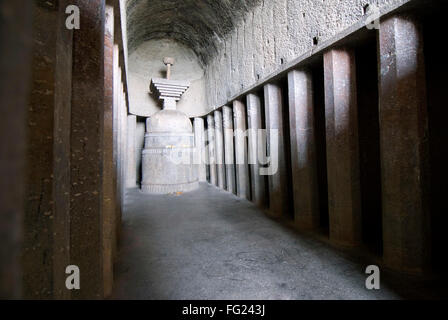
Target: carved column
(277,179)
(109,195)
(87,125)
(258,186)
(229,148)
(15,68)
(200,148)
(342,147)
(404,145)
(211,149)
(219,148)
(46,234)
(303,150)
(131,179)
(242,169)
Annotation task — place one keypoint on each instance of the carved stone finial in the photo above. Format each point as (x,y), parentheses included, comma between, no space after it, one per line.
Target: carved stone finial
(168,62)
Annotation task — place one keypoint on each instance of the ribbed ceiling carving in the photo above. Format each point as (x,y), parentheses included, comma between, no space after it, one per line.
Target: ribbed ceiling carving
(198,24)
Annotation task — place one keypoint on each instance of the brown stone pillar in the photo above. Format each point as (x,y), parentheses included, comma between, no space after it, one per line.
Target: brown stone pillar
(258,187)
(109,197)
(277,179)
(303,150)
(116,92)
(229,154)
(131,171)
(123,144)
(211,149)
(219,149)
(344,194)
(15,67)
(47,202)
(241,155)
(403,132)
(87,123)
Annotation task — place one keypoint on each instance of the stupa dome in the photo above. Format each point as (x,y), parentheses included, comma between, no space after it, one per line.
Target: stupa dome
(172,121)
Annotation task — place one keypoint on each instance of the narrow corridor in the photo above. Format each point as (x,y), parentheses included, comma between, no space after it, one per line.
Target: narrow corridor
(209,244)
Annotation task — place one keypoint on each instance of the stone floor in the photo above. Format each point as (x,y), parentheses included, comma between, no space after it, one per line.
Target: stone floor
(209,244)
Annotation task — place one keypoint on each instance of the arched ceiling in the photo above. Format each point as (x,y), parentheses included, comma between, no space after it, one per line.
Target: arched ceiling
(198,24)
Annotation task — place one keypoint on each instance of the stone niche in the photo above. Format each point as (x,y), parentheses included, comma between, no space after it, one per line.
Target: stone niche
(145,63)
(167,158)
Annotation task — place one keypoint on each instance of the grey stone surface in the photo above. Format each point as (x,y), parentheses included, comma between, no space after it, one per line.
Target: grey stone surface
(210,244)
(254,124)
(199,143)
(201,25)
(211,149)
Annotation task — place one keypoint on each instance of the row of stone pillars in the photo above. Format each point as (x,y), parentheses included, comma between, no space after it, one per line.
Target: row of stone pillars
(71,148)
(403,145)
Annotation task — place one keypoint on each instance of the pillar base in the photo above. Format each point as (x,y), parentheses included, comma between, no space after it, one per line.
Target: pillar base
(169,188)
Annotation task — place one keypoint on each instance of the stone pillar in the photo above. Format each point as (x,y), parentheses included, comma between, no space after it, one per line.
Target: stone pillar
(404,153)
(303,150)
(15,66)
(117,81)
(109,195)
(211,149)
(131,178)
(241,155)
(140,132)
(258,186)
(124,141)
(46,251)
(219,147)
(206,152)
(277,179)
(344,196)
(87,123)
(199,142)
(228,148)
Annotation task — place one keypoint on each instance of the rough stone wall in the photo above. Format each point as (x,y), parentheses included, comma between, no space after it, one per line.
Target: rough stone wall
(274,33)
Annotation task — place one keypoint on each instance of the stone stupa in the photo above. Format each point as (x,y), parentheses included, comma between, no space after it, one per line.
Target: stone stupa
(167,158)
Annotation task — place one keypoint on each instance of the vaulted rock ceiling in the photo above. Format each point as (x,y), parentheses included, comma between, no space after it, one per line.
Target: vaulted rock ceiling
(198,24)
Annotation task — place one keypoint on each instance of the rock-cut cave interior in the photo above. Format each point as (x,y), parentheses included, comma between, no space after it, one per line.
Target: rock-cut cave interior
(223,150)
